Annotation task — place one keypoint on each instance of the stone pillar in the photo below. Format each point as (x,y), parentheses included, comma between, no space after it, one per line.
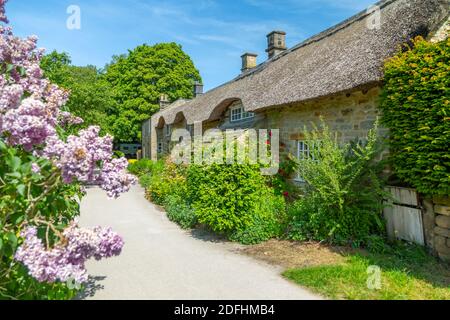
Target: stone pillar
(441,241)
(429,222)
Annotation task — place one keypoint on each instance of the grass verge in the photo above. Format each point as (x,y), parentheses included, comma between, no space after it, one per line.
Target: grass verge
(407,273)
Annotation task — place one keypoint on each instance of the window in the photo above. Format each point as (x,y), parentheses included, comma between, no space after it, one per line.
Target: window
(304,152)
(168,130)
(238,114)
(160,147)
(190,128)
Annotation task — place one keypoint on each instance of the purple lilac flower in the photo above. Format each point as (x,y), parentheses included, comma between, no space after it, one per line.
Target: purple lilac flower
(115,179)
(79,160)
(67,119)
(29,124)
(29,114)
(27,120)
(35,168)
(2,11)
(67,261)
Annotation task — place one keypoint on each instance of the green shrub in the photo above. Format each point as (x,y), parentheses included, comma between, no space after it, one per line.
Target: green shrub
(141,167)
(118,154)
(225,197)
(343,195)
(268,221)
(377,244)
(166,179)
(282,181)
(179,211)
(232,200)
(416,109)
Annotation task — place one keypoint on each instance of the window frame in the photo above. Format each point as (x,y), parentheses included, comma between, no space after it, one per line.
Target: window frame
(168,130)
(242,114)
(302,154)
(190,129)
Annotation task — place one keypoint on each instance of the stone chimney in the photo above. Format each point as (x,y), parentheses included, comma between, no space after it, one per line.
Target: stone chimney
(276,41)
(198,89)
(248,61)
(163,101)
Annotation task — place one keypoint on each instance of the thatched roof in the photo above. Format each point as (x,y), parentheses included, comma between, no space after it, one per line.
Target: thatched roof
(347,56)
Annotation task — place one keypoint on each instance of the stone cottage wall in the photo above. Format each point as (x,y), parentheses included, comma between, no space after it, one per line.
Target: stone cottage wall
(351,115)
(437,226)
(146,139)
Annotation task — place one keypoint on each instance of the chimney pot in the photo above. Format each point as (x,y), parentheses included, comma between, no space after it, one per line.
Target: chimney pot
(276,41)
(163,101)
(249,61)
(198,89)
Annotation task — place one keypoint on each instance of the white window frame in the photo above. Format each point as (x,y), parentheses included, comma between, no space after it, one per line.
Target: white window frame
(168,130)
(304,152)
(237,113)
(190,129)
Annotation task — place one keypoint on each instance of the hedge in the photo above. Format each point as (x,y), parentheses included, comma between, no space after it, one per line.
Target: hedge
(416,108)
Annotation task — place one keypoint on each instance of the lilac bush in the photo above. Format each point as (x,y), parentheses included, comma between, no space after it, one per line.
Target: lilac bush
(66,261)
(30,113)
(78,159)
(37,163)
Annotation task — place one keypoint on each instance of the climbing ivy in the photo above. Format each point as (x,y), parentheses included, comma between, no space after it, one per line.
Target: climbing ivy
(416,108)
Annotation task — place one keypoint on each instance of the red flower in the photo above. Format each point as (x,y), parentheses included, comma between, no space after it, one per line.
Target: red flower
(286,194)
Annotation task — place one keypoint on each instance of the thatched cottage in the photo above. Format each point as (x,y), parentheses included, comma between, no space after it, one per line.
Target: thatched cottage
(335,75)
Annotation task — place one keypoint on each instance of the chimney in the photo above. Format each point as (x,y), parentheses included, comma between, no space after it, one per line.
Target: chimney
(276,43)
(163,101)
(248,61)
(198,89)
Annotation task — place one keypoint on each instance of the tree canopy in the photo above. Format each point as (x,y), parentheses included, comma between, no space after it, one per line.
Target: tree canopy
(91,96)
(140,77)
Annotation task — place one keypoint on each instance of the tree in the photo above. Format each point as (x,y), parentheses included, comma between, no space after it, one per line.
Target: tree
(140,77)
(55,65)
(90,94)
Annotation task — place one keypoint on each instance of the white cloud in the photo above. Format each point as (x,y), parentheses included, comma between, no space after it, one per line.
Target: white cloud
(306,5)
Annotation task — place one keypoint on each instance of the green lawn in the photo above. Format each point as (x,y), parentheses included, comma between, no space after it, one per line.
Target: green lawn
(407,273)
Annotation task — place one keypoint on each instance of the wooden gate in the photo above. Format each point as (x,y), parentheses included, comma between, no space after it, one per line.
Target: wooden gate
(404,216)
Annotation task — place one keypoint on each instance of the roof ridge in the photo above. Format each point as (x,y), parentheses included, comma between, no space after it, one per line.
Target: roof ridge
(315,38)
(403,19)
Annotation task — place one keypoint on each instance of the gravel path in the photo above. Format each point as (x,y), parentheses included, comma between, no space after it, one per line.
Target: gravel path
(161,261)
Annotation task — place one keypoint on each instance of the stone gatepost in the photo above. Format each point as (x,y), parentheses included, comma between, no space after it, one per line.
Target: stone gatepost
(441,233)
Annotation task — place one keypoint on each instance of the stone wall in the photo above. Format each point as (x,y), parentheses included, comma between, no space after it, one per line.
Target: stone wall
(351,115)
(146,139)
(441,231)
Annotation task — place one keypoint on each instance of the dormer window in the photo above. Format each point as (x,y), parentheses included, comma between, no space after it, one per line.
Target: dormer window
(238,114)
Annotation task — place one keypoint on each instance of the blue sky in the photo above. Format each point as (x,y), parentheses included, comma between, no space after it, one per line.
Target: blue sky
(215,33)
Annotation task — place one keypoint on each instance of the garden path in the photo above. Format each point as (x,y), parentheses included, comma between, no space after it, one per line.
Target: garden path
(162,261)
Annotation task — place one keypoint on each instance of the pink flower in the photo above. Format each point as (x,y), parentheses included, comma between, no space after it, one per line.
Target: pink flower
(88,158)
(35,168)
(67,261)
